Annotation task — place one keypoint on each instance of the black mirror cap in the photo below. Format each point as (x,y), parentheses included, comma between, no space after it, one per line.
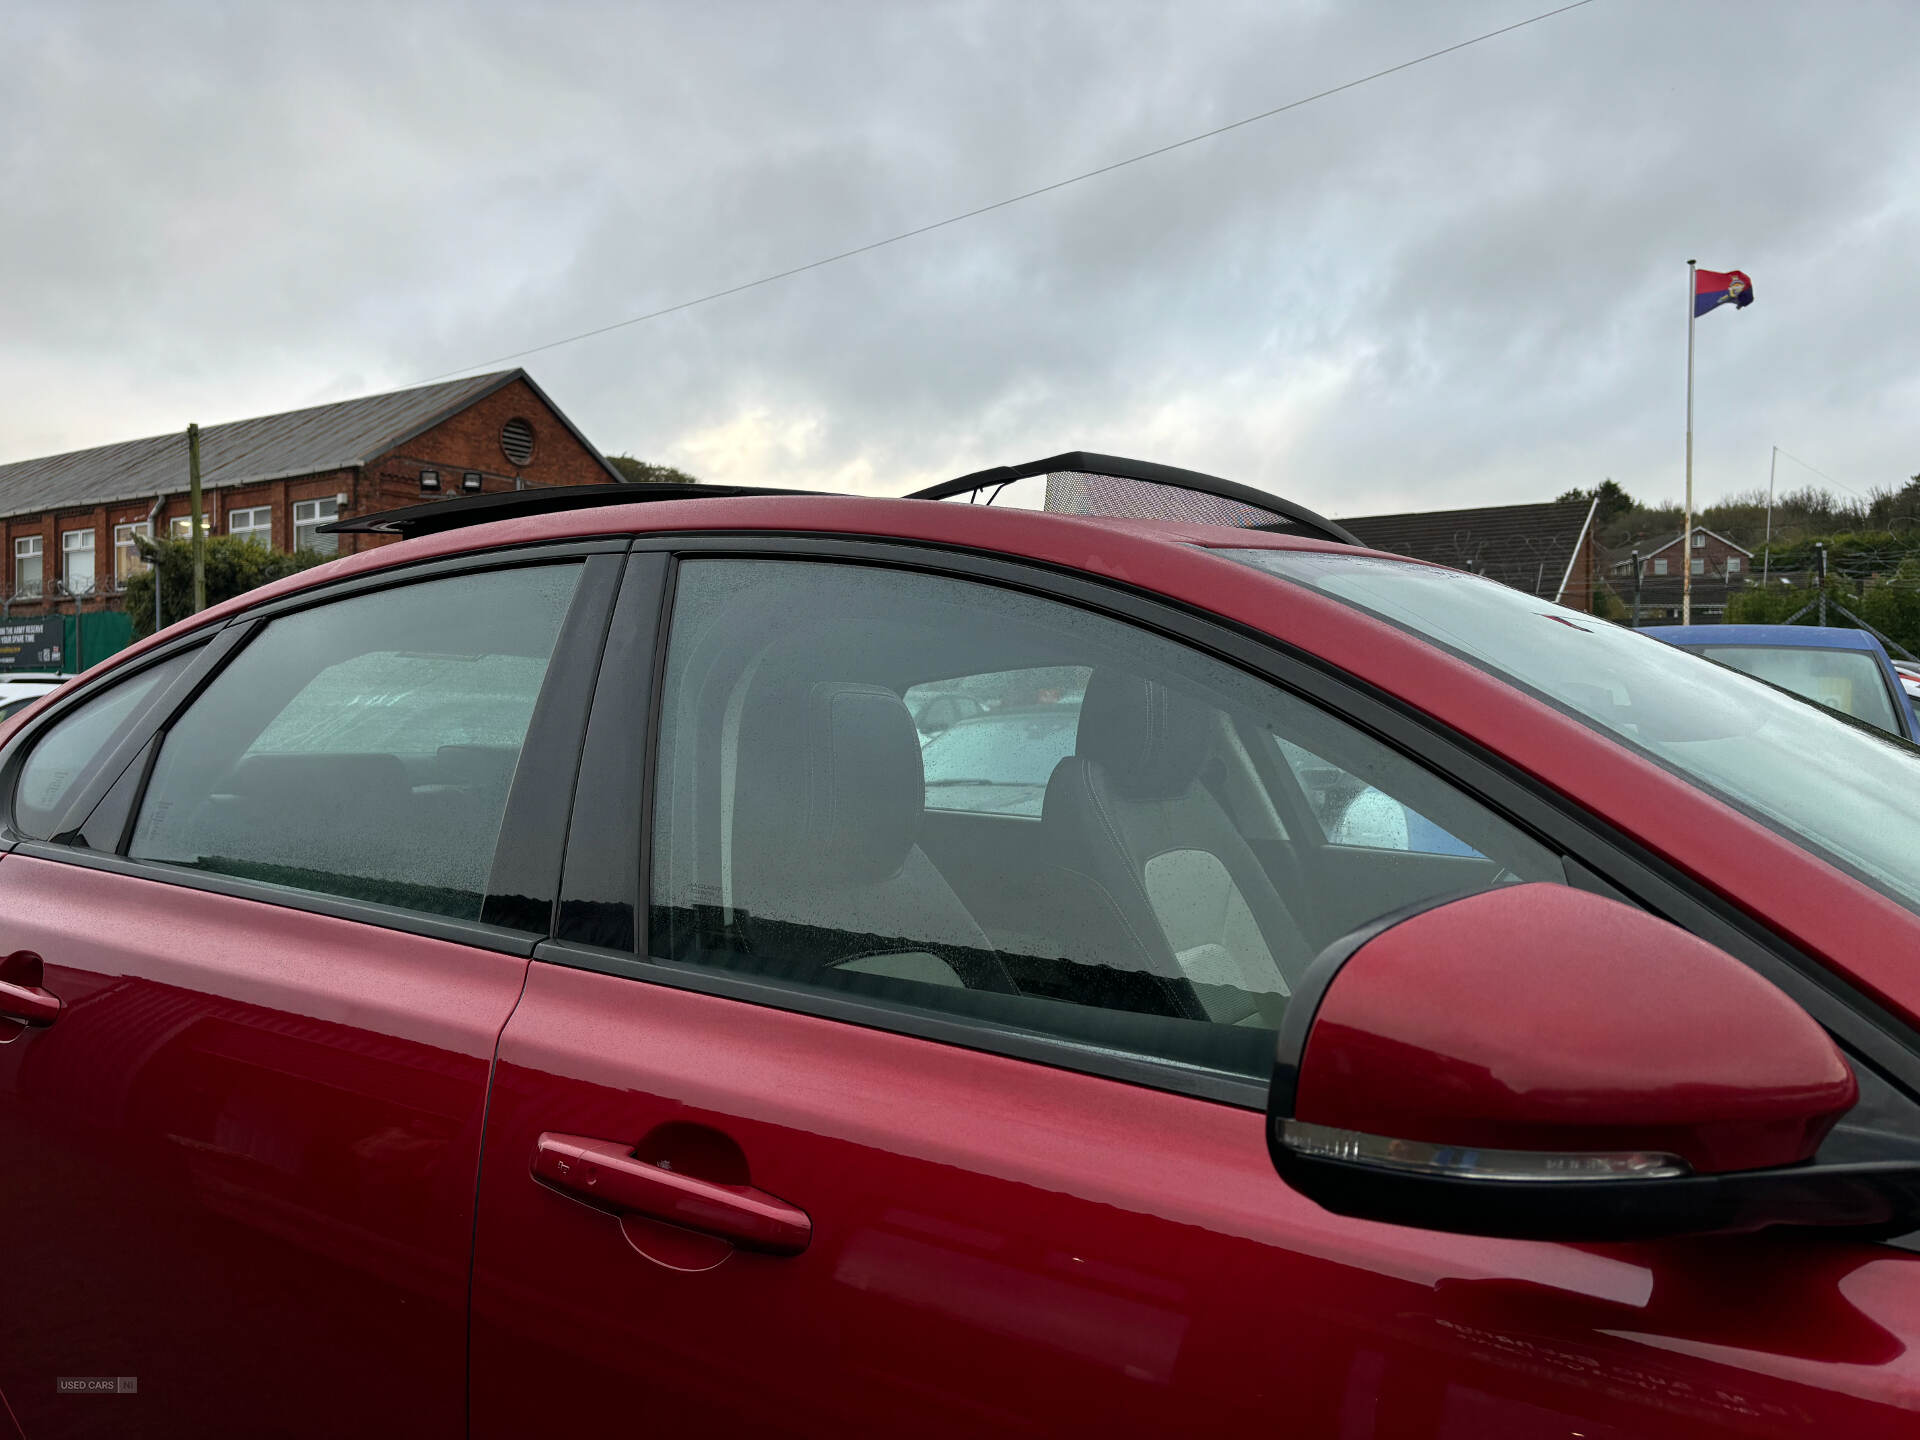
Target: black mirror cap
(1870,1199)
(1875,1199)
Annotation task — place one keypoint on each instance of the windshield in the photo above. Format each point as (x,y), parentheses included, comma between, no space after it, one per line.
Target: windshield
(1009,752)
(1837,788)
(1847,680)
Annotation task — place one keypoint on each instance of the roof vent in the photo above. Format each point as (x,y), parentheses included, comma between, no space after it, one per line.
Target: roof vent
(516,440)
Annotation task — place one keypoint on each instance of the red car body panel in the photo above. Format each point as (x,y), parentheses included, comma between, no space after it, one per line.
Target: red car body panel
(240,1165)
(1003,1247)
(990,1243)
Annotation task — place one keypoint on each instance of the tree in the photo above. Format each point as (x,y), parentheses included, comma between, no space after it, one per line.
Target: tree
(641,471)
(1614,501)
(234,566)
(1891,508)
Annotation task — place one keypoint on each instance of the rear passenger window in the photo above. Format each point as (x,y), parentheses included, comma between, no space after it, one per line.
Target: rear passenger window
(49,780)
(1111,849)
(364,748)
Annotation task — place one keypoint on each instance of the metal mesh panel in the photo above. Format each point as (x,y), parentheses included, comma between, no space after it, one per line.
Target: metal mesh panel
(1075,492)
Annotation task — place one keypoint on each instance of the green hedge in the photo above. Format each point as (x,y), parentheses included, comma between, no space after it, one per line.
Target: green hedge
(233,567)
(1890,604)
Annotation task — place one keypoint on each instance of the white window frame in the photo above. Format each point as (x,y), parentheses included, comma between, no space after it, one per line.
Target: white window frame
(252,523)
(1733,564)
(31,547)
(1699,539)
(308,515)
(124,550)
(180,527)
(1699,565)
(1660,567)
(71,546)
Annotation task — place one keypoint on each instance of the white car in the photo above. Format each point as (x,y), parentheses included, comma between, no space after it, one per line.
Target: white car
(19,689)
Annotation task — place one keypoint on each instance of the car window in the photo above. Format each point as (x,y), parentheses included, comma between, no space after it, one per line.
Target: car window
(1840,789)
(49,779)
(1849,681)
(364,748)
(1128,881)
(996,736)
(1349,811)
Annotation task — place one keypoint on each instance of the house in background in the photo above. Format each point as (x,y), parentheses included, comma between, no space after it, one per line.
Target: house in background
(70,520)
(1548,550)
(1719,567)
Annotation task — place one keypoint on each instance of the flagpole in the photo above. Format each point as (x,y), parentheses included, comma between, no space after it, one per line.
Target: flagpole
(1686,535)
(1766,564)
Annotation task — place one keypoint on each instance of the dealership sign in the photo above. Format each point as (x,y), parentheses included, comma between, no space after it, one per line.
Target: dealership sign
(32,644)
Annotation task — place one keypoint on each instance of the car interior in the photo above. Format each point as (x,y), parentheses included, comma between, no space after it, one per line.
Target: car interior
(1176,870)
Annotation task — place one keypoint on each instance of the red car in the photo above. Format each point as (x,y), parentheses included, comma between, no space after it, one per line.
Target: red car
(521,981)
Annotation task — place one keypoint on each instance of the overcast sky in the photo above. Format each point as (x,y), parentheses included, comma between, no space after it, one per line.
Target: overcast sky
(1463,284)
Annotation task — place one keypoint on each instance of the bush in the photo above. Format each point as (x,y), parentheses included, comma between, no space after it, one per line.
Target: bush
(1608,606)
(640,472)
(1891,605)
(233,567)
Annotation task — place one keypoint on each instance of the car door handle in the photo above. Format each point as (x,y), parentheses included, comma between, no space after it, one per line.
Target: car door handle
(608,1174)
(22,996)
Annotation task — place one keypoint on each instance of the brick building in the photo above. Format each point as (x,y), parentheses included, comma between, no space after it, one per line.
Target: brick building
(70,519)
(1720,567)
(1548,550)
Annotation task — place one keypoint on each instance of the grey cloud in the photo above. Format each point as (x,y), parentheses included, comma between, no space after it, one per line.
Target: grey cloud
(1462,284)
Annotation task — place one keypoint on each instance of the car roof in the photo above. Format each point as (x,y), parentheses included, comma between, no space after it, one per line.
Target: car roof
(1123,546)
(1797,637)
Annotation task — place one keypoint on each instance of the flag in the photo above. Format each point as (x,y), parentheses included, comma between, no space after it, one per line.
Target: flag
(1713,288)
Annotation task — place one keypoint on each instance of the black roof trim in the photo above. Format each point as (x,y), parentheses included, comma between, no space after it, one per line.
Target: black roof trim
(1121,468)
(459,511)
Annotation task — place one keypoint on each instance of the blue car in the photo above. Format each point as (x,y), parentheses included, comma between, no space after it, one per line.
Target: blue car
(1843,669)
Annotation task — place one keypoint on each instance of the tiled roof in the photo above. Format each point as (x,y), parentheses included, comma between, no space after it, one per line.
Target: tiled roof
(239,452)
(1529,547)
(1649,550)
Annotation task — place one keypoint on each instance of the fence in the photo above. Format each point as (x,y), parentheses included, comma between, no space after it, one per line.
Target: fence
(92,637)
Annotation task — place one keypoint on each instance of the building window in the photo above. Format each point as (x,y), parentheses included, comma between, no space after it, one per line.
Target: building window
(126,555)
(1659,567)
(180,527)
(76,561)
(1699,566)
(255,526)
(1733,564)
(308,517)
(26,566)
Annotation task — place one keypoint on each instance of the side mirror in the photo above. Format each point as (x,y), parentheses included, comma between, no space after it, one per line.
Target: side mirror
(1538,1062)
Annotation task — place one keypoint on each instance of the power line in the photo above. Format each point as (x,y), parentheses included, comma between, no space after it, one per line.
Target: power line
(1823,475)
(1015,199)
